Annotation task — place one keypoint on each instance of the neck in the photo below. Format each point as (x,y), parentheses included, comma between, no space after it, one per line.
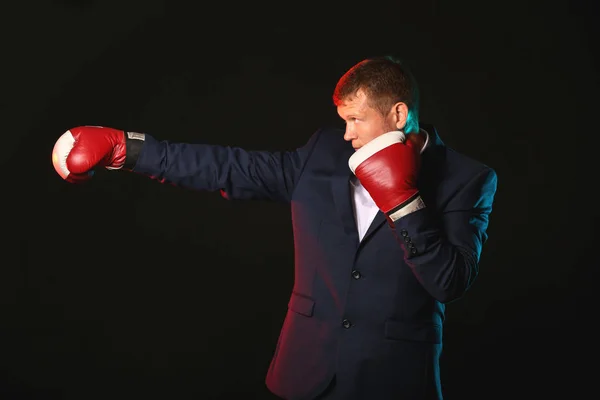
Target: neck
(417,138)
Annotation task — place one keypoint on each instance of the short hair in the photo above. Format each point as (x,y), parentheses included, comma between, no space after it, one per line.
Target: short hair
(386,80)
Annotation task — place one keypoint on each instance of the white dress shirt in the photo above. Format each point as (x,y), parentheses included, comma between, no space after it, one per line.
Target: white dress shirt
(364,206)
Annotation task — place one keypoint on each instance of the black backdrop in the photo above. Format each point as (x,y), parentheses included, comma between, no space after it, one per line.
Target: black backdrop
(125,288)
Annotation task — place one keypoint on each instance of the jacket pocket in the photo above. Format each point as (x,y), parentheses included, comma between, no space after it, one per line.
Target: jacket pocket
(413,330)
(301,304)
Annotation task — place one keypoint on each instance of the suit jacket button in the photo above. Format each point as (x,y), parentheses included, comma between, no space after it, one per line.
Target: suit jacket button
(346,324)
(356,274)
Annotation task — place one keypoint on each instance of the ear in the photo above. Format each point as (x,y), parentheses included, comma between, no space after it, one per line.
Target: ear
(400,114)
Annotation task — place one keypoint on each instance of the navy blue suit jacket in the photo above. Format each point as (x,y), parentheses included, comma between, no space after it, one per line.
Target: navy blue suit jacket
(368,312)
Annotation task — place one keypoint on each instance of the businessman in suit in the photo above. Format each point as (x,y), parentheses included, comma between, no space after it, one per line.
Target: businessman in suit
(388,227)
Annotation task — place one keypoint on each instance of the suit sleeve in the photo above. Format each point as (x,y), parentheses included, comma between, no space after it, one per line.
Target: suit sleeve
(443,250)
(235,172)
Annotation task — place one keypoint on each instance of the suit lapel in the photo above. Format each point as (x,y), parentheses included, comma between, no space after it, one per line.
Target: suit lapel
(377,222)
(342,195)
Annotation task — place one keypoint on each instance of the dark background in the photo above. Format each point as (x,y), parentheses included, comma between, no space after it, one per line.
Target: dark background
(124,288)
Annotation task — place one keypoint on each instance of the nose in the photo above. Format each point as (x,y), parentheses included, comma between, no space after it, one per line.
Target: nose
(349,135)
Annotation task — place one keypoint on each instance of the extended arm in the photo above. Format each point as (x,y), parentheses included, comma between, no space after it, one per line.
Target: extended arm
(237,173)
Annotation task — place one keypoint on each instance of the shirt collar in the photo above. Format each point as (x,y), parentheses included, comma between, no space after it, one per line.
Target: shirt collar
(426,139)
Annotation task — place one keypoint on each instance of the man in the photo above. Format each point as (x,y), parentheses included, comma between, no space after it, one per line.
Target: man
(388,227)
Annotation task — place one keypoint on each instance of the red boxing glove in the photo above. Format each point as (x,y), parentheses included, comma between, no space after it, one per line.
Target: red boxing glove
(79,150)
(388,168)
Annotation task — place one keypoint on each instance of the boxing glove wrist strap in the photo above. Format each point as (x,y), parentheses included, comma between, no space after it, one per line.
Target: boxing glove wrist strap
(133,147)
(411,205)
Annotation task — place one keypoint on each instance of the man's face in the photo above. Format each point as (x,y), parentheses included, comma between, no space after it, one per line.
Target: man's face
(364,123)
